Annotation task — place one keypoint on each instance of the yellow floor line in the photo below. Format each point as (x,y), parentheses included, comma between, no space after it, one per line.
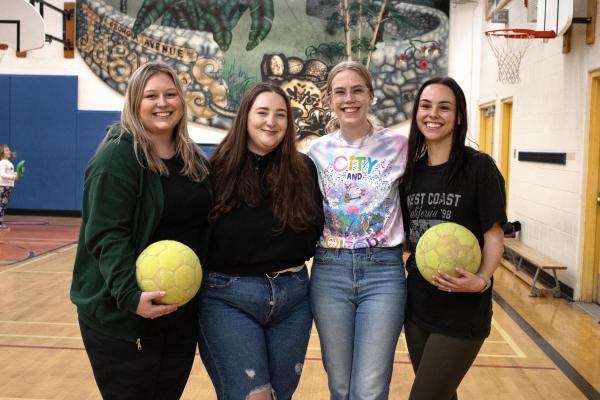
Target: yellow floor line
(513,345)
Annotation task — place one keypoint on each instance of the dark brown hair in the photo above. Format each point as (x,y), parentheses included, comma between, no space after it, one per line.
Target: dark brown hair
(417,145)
(236,180)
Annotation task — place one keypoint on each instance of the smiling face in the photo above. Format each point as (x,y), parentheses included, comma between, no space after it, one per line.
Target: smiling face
(161,108)
(350,99)
(436,115)
(267,123)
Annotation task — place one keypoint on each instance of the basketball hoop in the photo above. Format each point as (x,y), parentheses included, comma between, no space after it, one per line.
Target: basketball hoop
(3,48)
(509,46)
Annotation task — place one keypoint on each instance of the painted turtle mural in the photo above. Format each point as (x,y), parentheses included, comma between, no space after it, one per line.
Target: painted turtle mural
(221,47)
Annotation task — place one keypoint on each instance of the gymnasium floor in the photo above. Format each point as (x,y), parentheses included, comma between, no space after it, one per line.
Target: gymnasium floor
(540,348)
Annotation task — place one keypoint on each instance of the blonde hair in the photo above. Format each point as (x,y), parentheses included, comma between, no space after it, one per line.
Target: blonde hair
(362,71)
(194,162)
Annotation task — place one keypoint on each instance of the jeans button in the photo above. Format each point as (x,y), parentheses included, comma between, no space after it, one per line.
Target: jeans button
(271,302)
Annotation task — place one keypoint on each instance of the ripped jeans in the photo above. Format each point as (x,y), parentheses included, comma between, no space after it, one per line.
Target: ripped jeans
(254,332)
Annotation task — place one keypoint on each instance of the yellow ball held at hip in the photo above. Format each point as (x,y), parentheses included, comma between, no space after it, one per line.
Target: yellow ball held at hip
(446,246)
(170,266)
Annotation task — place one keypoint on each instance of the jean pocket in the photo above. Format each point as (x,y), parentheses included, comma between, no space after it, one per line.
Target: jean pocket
(323,256)
(218,280)
(387,256)
(301,276)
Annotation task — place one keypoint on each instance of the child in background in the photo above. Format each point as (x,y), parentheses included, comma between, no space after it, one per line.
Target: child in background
(8,176)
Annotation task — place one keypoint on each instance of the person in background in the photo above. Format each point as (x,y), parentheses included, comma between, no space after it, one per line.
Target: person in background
(147,182)
(8,177)
(254,313)
(448,322)
(358,287)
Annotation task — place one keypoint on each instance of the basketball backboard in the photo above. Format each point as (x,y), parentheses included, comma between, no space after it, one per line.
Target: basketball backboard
(554,15)
(21,26)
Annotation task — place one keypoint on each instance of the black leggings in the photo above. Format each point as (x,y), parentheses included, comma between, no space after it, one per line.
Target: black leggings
(440,362)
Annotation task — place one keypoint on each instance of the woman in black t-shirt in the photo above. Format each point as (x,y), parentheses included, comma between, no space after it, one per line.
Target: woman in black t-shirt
(447,321)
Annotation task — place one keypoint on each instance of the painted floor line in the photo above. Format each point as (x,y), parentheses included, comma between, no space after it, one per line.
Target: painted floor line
(39,323)
(10,335)
(42,272)
(561,363)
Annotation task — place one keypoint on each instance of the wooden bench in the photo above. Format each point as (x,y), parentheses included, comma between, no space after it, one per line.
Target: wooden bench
(516,252)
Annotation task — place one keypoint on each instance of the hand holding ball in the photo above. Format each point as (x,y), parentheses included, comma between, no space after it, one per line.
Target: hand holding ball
(446,246)
(170,266)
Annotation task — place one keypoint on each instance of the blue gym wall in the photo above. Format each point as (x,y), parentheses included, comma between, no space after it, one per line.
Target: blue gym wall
(40,121)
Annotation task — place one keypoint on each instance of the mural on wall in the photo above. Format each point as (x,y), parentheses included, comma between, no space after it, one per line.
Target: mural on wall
(221,47)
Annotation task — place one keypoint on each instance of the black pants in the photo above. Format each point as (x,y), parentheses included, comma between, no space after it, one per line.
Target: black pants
(440,362)
(159,370)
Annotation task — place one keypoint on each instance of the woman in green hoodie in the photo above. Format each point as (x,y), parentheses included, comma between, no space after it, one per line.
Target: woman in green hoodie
(147,182)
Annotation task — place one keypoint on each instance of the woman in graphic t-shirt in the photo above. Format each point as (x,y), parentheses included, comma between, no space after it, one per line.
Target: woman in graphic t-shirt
(357,282)
(448,321)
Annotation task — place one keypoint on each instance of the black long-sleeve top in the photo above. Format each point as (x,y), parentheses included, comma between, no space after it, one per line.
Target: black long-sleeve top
(247,240)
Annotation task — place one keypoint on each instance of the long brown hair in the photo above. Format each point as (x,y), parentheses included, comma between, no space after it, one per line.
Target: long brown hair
(236,180)
(195,165)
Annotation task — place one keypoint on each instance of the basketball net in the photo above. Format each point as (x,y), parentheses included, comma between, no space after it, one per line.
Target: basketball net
(509,46)
(3,48)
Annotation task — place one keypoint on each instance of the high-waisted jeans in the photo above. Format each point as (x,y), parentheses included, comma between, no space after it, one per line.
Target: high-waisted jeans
(254,332)
(358,298)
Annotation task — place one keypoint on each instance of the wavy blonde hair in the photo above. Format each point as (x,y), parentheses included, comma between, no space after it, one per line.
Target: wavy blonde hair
(195,165)
(363,72)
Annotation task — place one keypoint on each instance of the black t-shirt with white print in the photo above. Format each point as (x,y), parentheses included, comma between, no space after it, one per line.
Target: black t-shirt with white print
(476,200)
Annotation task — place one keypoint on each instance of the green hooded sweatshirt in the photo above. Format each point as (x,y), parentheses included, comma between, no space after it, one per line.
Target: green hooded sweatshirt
(122,205)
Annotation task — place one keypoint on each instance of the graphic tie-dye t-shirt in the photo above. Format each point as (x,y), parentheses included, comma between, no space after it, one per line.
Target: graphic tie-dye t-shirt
(359,181)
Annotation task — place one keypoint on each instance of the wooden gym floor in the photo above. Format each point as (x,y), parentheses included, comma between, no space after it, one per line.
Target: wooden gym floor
(540,348)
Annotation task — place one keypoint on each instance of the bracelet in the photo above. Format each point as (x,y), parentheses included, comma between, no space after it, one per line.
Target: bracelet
(488,282)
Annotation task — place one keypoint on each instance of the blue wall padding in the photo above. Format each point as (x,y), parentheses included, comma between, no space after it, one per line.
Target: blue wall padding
(91,128)
(4,109)
(40,121)
(43,116)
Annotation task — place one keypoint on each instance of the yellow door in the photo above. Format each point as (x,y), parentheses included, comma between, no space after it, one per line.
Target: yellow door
(486,128)
(505,147)
(590,280)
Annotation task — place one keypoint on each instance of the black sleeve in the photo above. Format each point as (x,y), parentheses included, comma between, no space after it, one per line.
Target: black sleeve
(491,194)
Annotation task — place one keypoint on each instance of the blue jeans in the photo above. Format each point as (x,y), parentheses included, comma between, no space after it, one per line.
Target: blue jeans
(254,332)
(358,298)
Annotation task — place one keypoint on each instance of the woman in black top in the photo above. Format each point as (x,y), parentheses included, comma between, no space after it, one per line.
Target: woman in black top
(254,313)
(445,181)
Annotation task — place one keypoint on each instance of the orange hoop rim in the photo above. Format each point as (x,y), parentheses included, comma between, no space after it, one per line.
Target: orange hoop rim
(3,46)
(521,34)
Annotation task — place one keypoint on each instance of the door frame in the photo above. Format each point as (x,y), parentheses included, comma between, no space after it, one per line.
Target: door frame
(485,140)
(591,216)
